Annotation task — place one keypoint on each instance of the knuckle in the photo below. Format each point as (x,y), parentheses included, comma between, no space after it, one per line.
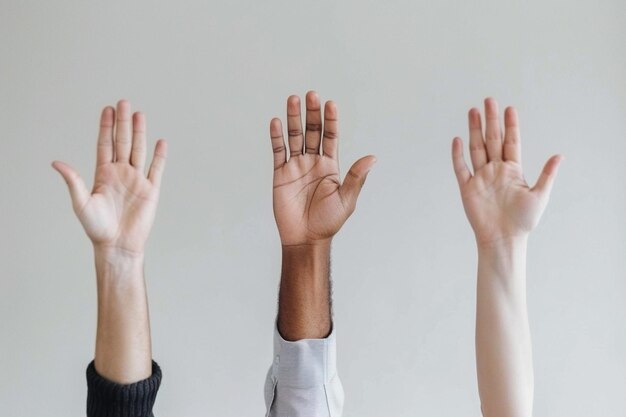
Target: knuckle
(353,175)
(279,149)
(314,127)
(330,134)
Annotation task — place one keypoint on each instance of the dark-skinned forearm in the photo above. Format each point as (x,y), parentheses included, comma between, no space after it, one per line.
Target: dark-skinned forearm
(304,310)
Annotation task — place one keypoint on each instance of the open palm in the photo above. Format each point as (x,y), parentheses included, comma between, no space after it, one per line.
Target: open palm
(120,209)
(310,202)
(497,200)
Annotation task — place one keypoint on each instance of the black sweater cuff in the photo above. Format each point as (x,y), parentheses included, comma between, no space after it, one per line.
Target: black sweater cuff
(108,399)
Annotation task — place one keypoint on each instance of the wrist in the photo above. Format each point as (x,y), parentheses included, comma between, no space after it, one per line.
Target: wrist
(311,246)
(300,240)
(503,261)
(116,254)
(118,264)
(502,245)
(307,255)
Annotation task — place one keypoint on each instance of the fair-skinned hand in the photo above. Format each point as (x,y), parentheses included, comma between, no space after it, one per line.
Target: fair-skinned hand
(310,202)
(497,200)
(119,211)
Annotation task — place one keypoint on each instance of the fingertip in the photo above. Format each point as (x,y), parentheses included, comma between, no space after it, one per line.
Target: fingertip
(275,126)
(59,164)
(556,161)
(552,165)
(161,147)
(67,172)
(312,96)
(123,109)
(510,118)
(312,101)
(293,105)
(139,121)
(457,144)
(491,105)
(108,114)
(473,116)
(557,158)
(330,109)
(363,166)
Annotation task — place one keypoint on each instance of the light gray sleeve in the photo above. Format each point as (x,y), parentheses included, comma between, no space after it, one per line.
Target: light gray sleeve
(303,380)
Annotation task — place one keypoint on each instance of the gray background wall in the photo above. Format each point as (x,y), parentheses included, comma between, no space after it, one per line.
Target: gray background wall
(210,75)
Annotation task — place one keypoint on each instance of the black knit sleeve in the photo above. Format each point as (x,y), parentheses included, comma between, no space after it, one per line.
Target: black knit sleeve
(109,399)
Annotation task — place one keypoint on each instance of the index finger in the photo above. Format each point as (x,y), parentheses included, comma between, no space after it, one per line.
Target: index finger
(105,137)
(331,130)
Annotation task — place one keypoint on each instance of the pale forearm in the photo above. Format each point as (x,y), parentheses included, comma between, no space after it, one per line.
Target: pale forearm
(304,310)
(503,345)
(502,209)
(123,349)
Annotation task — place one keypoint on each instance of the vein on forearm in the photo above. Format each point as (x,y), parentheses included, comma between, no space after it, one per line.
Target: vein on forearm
(503,345)
(123,347)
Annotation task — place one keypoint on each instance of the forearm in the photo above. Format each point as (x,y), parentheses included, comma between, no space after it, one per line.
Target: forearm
(304,306)
(123,348)
(303,379)
(503,345)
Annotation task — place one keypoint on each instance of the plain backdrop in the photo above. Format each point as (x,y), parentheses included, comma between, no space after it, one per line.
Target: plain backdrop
(210,75)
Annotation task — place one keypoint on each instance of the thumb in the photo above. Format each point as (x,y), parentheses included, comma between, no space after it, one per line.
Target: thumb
(548,175)
(354,180)
(76,185)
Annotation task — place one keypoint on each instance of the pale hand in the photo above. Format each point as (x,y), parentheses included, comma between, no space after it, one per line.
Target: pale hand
(310,202)
(498,202)
(118,213)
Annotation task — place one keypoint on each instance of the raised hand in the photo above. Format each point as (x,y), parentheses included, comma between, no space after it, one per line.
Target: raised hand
(120,209)
(502,210)
(117,215)
(497,200)
(310,202)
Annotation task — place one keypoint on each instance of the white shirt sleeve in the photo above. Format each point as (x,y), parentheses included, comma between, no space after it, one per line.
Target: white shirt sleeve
(303,380)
